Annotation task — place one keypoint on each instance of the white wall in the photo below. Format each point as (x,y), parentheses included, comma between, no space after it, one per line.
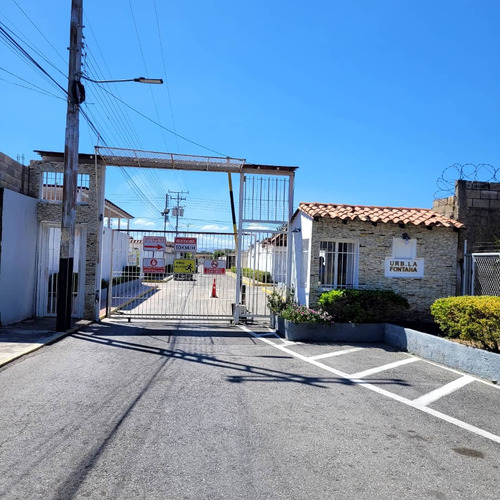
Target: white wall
(120,248)
(18,257)
(301,261)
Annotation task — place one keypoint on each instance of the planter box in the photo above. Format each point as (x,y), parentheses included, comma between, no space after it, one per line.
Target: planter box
(337,332)
(484,364)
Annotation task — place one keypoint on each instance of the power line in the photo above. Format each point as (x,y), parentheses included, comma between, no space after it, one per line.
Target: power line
(165,73)
(23,53)
(167,129)
(36,27)
(33,87)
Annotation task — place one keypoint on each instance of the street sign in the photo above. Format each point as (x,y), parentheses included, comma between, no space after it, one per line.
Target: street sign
(214,267)
(184,266)
(154,243)
(153,265)
(185,244)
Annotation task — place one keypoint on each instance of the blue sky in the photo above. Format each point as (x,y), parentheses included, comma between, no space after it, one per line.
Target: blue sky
(372,100)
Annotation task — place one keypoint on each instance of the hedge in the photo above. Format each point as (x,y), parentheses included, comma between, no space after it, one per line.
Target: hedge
(262,276)
(476,319)
(363,306)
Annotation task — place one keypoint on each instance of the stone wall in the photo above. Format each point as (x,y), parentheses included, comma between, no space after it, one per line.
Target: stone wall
(87,215)
(437,246)
(13,175)
(477,205)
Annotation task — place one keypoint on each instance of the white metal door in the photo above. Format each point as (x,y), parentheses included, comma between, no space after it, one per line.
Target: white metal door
(48,269)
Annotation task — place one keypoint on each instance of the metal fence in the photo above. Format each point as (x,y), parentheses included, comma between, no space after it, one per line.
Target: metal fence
(482,274)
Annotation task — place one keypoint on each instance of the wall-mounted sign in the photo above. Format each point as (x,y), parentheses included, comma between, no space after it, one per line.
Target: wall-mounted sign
(214,267)
(154,243)
(184,266)
(153,265)
(185,244)
(404,268)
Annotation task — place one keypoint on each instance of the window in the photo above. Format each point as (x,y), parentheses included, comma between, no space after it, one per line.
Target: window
(52,187)
(338,264)
(52,184)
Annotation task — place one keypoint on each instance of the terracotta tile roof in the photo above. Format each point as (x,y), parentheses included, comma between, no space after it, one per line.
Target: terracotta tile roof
(396,215)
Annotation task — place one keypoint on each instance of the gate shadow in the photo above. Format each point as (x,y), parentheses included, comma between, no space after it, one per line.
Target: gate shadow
(245,372)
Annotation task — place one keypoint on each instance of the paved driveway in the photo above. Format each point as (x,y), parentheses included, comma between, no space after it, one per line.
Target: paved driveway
(158,411)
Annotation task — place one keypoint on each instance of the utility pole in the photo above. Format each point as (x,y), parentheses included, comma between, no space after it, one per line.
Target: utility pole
(76,95)
(165,214)
(176,209)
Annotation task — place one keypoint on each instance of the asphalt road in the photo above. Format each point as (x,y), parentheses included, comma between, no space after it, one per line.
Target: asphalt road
(151,411)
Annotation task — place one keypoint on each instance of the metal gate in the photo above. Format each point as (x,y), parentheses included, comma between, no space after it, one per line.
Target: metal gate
(482,274)
(180,283)
(200,284)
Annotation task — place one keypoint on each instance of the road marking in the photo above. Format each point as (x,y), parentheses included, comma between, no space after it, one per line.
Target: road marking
(383,368)
(383,392)
(433,396)
(335,353)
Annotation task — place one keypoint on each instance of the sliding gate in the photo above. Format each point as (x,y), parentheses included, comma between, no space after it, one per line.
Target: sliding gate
(175,275)
(198,284)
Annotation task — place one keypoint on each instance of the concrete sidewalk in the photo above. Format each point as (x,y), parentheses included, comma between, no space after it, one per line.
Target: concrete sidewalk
(19,339)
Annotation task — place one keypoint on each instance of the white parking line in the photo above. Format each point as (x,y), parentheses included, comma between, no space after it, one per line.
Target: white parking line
(335,353)
(379,390)
(383,368)
(433,396)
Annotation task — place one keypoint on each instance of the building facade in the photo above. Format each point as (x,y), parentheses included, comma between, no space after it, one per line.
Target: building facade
(410,251)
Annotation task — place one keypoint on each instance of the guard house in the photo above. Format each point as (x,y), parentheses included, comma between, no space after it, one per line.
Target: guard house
(412,251)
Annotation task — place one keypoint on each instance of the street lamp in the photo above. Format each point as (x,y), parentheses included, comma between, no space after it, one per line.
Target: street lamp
(140,79)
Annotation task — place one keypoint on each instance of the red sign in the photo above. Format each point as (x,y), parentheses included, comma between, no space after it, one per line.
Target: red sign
(154,243)
(153,265)
(214,267)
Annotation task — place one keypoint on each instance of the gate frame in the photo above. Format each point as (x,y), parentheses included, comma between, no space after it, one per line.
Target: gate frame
(170,161)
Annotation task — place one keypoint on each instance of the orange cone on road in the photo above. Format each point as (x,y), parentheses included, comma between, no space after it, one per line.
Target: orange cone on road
(214,291)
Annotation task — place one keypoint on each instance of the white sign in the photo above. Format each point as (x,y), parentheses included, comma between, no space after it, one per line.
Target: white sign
(132,258)
(214,267)
(154,243)
(153,265)
(404,268)
(185,244)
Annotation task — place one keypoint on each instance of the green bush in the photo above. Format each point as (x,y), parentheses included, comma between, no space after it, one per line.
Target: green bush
(261,276)
(363,306)
(476,319)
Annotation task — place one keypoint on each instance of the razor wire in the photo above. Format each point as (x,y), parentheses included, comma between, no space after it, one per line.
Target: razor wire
(482,172)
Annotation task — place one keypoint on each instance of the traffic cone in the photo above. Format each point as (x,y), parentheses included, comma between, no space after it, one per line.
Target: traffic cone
(214,291)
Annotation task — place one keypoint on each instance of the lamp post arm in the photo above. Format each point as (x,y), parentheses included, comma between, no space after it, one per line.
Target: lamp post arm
(140,79)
